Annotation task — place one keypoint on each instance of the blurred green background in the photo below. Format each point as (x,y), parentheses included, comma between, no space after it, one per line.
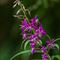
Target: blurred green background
(48,12)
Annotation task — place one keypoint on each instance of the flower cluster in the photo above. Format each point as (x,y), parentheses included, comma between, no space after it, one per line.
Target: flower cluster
(49,44)
(33,31)
(32,28)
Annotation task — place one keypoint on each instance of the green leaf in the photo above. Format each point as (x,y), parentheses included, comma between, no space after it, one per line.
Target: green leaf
(57,39)
(56,56)
(20,53)
(57,46)
(26,43)
(22,43)
(23,52)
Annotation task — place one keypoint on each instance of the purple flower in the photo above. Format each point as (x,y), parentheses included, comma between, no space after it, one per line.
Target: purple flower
(33,50)
(40,32)
(44,57)
(43,49)
(34,20)
(32,44)
(50,43)
(33,36)
(25,25)
(24,36)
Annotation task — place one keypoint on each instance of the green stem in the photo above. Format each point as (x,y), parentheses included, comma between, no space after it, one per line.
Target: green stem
(48,36)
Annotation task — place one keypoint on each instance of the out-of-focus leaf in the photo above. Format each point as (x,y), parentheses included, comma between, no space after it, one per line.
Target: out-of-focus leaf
(27,10)
(57,46)
(14,5)
(45,3)
(57,39)
(36,5)
(56,56)
(18,11)
(20,53)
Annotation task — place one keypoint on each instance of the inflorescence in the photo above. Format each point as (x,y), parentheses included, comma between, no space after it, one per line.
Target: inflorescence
(33,31)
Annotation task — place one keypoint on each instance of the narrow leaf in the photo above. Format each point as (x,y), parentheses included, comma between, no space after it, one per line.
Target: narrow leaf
(14,5)
(18,11)
(20,53)
(26,43)
(22,44)
(56,56)
(57,46)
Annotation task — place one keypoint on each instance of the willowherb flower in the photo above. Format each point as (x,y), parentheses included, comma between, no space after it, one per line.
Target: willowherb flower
(43,49)
(50,43)
(25,25)
(24,36)
(44,57)
(34,20)
(33,50)
(33,36)
(40,31)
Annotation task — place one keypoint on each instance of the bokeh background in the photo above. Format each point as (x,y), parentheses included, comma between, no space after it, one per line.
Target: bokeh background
(48,12)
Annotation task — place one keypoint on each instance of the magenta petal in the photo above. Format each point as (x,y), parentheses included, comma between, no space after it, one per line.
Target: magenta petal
(44,57)
(42,30)
(50,43)
(33,50)
(34,20)
(24,36)
(32,45)
(44,50)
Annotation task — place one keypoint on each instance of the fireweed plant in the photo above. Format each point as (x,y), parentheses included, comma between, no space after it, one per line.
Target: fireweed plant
(32,33)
